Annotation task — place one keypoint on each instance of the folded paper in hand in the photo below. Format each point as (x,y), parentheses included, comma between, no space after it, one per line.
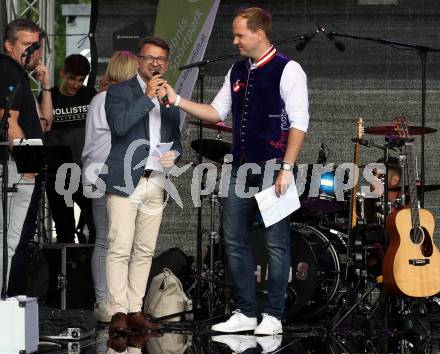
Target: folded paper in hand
(160,148)
(273,208)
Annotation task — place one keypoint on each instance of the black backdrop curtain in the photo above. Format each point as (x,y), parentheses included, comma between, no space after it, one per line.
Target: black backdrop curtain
(3,22)
(93,49)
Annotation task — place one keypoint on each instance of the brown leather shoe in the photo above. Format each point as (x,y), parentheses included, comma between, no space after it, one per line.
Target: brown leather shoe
(139,340)
(137,321)
(118,323)
(118,344)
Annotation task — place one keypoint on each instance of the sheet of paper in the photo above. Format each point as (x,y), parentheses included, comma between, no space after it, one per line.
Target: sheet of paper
(161,148)
(274,209)
(37,142)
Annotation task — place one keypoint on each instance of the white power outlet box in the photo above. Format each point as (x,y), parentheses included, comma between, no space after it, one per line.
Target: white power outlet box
(19,325)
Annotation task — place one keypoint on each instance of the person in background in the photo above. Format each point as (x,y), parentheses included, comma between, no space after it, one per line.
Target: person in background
(374,213)
(123,65)
(23,122)
(70,105)
(20,261)
(393,181)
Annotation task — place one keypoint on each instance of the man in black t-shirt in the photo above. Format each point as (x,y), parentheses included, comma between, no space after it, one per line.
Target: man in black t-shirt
(70,103)
(23,120)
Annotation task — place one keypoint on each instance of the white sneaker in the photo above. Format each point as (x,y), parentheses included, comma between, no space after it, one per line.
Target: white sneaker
(237,343)
(101,313)
(269,343)
(236,323)
(269,326)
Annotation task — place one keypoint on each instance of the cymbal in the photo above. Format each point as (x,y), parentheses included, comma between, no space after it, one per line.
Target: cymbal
(390,165)
(426,188)
(214,150)
(391,130)
(218,126)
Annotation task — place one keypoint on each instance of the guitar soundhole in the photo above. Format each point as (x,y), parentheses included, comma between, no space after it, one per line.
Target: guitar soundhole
(417,235)
(426,246)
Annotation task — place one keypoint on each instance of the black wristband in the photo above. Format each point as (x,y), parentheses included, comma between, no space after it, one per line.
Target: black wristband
(45,89)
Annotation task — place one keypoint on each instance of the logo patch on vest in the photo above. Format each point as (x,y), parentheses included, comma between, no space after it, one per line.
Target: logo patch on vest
(237,86)
(285,125)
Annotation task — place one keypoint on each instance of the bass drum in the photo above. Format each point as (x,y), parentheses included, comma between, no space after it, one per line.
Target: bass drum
(315,273)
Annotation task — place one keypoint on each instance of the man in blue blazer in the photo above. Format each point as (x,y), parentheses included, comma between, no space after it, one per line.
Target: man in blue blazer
(138,121)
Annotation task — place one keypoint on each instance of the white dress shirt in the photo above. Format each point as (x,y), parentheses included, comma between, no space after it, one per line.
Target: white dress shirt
(293,91)
(154,125)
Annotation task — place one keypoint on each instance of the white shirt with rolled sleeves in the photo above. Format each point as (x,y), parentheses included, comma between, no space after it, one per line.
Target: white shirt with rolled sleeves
(293,91)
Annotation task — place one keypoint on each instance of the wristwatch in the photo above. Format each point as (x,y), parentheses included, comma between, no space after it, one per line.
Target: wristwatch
(287,166)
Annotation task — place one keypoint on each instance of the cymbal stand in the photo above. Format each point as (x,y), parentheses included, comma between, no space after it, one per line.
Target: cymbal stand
(198,302)
(335,322)
(352,308)
(44,218)
(423,53)
(213,238)
(200,80)
(213,235)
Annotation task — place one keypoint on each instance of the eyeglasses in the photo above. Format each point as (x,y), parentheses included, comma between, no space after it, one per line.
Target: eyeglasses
(150,59)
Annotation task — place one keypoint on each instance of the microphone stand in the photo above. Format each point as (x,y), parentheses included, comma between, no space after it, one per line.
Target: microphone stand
(200,83)
(4,126)
(201,87)
(423,53)
(200,64)
(4,156)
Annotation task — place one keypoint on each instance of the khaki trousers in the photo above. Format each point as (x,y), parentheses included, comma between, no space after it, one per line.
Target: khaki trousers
(134,223)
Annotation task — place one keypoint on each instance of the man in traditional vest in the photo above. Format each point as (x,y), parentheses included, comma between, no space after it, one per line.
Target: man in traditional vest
(267,96)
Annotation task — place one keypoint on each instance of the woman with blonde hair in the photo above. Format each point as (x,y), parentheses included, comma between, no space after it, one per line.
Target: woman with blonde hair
(123,65)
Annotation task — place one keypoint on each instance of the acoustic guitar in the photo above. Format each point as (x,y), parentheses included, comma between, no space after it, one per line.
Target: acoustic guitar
(411,266)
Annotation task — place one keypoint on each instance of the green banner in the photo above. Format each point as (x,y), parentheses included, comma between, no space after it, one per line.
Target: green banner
(183,24)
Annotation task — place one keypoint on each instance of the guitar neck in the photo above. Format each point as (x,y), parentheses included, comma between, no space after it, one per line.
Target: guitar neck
(355,189)
(353,213)
(413,197)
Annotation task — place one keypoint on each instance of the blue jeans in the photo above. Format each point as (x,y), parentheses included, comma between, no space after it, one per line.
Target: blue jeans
(18,205)
(238,217)
(19,265)
(99,257)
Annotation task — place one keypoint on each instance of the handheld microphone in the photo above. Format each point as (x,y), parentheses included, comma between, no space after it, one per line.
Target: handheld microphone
(31,49)
(330,36)
(165,99)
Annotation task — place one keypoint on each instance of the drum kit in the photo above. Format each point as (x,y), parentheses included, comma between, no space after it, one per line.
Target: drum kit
(326,255)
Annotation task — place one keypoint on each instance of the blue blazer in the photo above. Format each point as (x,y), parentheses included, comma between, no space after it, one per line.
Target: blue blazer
(127,109)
